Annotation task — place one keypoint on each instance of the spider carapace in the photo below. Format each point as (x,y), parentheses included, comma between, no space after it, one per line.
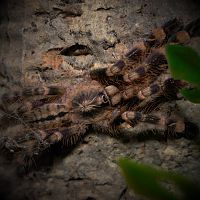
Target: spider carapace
(132,96)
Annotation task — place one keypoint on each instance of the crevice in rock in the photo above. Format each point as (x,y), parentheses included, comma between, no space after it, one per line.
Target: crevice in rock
(72,1)
(55,49)
(76,50)
(76,179)
(123,192)
(103,184)
(61,37)
(39,12)
(69,11)
(104,9)
(90,198)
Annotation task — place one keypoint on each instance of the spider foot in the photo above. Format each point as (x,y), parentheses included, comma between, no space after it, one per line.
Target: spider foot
(10,145)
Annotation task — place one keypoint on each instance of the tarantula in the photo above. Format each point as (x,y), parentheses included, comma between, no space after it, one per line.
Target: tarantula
(128,97)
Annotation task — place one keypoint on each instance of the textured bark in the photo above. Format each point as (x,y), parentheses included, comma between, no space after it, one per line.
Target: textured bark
(32,33)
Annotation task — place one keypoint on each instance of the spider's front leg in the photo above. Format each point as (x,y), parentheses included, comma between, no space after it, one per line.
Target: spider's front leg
(17,121)
(23,97)
(147,57)
(15,104)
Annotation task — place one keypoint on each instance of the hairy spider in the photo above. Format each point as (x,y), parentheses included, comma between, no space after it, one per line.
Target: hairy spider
(129,97)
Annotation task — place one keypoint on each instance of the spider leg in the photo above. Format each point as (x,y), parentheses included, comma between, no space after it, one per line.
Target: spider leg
(127,69)
(189,31)
(15,137)
(167,124)
(48,116)
(109,75)
(11,97)
(113,75)
(69,136)
(32,91)
(163,89)
(133,96)
(34,142)
(18,102)
(160,35)
(28,105)
(133,65)
(153,66)
(164,123)
(168,92)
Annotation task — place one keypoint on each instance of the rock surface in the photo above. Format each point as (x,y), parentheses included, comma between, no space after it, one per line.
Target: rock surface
(33,32)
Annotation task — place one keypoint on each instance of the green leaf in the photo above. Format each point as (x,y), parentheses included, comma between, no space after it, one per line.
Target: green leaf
(142,179)
(192,95)
(189,188)
(145,180)
(184,63)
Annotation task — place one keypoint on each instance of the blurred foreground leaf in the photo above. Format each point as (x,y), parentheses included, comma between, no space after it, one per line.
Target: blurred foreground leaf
(184,63)
(192,95)
(145,180)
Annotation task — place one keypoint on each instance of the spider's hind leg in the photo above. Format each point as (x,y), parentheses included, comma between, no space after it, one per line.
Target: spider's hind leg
(32,143)
(168,125)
